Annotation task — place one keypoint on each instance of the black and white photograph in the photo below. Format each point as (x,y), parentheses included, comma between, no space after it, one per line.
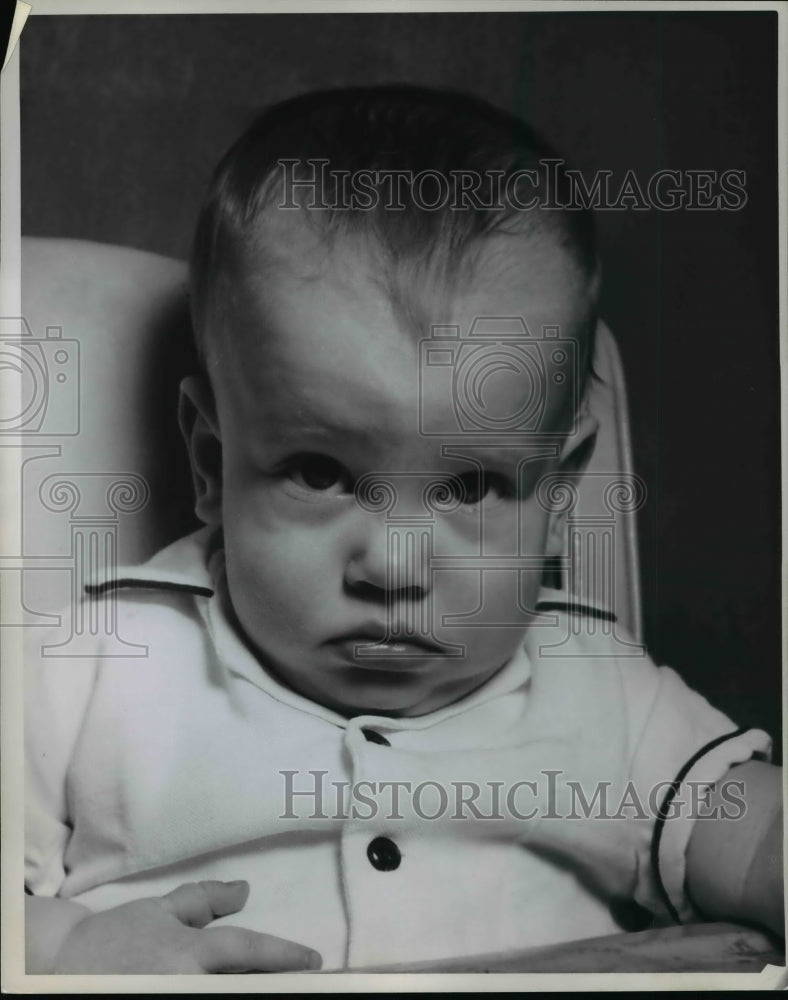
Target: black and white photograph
(391,551)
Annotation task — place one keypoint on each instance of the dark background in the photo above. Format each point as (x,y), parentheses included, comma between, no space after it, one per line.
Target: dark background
(123,118)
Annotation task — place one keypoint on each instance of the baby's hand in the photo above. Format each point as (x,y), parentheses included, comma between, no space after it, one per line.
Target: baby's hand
(168,934)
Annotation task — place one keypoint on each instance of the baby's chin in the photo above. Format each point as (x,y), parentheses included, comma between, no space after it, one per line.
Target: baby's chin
(394,694)
(416,687)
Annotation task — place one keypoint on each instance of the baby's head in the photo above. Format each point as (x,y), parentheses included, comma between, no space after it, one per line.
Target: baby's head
(383,391)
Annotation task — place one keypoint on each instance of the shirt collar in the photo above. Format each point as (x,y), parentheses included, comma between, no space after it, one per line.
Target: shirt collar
(183,565)
(187,564)
(237,657)
(195,564)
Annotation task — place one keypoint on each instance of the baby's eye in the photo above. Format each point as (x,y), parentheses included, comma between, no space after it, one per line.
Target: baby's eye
(318,474)
(477,487)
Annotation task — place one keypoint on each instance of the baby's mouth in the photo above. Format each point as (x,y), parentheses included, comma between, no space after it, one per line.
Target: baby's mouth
(397,647)
(374,642)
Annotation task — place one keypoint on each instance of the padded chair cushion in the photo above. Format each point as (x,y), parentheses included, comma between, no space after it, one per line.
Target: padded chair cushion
(128,311)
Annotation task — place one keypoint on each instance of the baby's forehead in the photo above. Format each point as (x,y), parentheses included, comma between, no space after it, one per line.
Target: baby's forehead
(314,322)
(504,274)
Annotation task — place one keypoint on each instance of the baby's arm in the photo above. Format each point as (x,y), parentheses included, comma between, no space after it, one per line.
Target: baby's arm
(164,934)
(735,866)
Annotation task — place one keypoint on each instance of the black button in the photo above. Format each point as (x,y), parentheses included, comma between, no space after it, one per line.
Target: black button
(374,737)
(384,854)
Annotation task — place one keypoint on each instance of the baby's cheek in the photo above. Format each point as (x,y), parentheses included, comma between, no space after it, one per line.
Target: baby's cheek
(286,573)
(456,592)
(495,597)
(500,595)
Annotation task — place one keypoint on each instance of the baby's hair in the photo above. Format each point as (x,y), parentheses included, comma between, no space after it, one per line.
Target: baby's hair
(317,141)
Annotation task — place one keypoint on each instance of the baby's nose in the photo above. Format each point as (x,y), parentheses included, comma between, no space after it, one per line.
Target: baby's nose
(391,559)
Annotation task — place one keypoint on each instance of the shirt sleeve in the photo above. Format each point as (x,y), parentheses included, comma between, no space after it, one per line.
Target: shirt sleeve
(682,746)
(57,692)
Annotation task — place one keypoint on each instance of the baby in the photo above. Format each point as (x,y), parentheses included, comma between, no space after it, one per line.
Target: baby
(356,739)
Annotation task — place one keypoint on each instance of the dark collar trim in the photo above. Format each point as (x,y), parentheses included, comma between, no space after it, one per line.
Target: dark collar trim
(134,583)
(97,589)
(576,608)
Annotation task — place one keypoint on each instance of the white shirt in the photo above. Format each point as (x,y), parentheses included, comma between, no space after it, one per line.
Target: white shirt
(147,772)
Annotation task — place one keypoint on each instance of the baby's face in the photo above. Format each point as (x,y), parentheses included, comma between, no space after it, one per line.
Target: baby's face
(354,593)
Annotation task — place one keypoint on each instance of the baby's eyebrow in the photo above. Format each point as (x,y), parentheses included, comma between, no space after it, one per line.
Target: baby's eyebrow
(516,454)
(316,428)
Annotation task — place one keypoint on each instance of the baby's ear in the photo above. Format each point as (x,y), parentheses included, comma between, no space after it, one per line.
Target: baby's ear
(575,458)
(200,429)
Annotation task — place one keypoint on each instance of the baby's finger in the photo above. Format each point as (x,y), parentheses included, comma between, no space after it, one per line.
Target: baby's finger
(198,903)
(235,949)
